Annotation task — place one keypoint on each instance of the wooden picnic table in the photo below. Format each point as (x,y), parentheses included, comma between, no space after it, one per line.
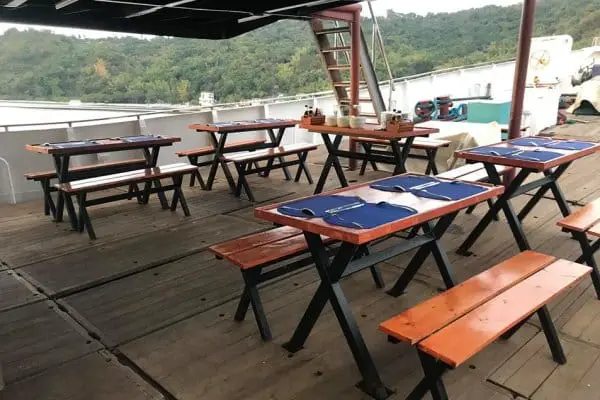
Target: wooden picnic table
(400,151)
(552,169)
(354,255)
(63,151)
(226,128)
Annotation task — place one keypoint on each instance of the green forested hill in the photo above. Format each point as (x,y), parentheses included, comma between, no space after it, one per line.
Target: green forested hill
(280,58)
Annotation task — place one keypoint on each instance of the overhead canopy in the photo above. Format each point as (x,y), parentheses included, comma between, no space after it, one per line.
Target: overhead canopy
(208,19)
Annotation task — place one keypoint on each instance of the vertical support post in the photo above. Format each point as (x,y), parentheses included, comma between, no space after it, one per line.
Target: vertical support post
(521,66)
(355,34)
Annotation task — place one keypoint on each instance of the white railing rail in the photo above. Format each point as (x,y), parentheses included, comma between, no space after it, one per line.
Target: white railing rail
(10,181)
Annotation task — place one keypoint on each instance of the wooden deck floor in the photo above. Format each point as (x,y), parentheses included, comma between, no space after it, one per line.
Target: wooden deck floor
(145,312)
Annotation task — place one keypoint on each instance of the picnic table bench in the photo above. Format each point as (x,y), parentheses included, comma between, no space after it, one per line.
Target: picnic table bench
(44,177)
(247,163)
(194,154)
(257,252)
(62,152)
(371,213)
(531,155)
(81,188)
(452,327)
(430,146)
(584,224)
(220,146)
(396,157)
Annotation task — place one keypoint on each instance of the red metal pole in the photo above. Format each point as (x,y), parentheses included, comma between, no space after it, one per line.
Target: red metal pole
(525,36)
(354,76)
(520,80)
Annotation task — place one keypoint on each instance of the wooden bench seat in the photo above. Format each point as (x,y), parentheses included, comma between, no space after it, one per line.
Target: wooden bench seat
(430,146)
(583,224)
(148,176)
(283,249)
(452,327)
(246,163)
(44,177)
(473,172)
(194,154)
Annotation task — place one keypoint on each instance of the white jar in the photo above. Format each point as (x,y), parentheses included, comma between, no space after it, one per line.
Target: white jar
(343,121)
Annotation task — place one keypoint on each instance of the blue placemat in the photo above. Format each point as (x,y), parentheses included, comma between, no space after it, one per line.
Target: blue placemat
(569,145)
(449,191)
(402,183)
(369,215)
(494,151)
(530,141)
(319,206)
(69,145)
(535,155)
(141,138)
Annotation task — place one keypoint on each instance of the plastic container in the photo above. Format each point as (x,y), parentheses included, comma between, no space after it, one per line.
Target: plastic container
(489,111)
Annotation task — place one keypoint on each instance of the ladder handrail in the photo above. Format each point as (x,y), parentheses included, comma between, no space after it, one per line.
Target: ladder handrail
(377,33)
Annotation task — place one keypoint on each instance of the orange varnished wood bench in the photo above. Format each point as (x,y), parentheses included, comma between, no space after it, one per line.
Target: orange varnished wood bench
(430,146)
(194,154)
(452,327)
(148,176)
(246,163)
(44,177)
(584,224)
(284,249)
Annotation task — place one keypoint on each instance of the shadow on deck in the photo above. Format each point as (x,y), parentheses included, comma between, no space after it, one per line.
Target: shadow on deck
(145,312)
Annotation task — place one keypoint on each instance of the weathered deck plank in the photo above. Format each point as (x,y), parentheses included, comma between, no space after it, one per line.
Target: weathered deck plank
(16,291)
(98,376)
(98,264)
(38,336)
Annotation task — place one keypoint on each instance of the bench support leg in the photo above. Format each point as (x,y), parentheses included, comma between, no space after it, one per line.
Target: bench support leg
(558,353)
(71,210)
(303,167)
(49,207)
(84,218)
(330,291)
(419,258)
(251,297)
(196,174)
(242,182)
(432,382)
(178,196)
(431,165)
(587,256)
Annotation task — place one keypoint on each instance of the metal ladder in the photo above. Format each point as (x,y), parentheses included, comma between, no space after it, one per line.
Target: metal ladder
(332,38)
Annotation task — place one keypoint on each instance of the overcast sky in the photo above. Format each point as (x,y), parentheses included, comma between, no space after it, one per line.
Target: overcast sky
(380,6)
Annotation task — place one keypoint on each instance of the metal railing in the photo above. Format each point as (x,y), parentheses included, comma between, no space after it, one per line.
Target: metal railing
(10,181)
(70,123)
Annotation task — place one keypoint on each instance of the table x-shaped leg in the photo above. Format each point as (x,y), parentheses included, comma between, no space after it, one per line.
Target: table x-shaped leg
(219,146)
(61,163)
(551,184)
(330,291)
(151,157)
(276,141)
(401,154)
(435,248)
(332,160)
(502,203)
